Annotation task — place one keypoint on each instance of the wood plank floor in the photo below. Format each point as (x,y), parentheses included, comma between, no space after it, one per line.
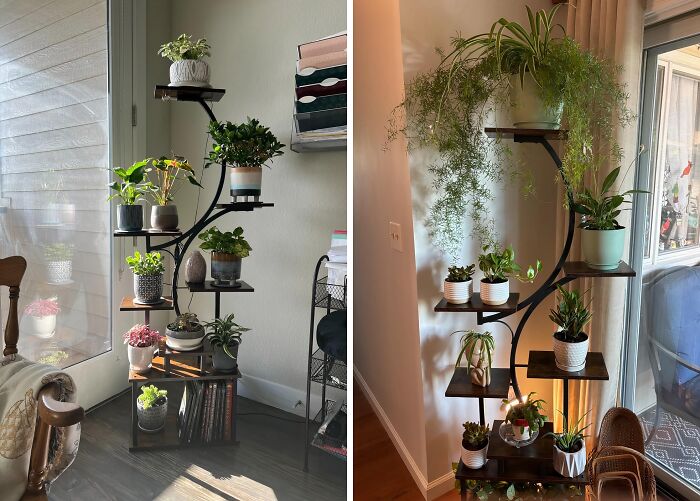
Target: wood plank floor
(266,465)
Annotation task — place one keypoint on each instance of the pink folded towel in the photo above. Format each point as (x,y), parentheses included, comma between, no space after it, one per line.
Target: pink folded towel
(320,47)
(324,60)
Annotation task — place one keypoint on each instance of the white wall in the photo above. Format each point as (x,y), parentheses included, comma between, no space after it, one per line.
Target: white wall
(253,58)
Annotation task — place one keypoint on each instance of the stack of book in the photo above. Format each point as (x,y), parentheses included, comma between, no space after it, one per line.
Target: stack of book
(206,412)
(320,105)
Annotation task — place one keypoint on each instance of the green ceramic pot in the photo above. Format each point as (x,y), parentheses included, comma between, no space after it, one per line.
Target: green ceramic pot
(602,249)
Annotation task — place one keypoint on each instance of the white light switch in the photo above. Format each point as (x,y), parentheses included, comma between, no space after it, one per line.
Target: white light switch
(395,236)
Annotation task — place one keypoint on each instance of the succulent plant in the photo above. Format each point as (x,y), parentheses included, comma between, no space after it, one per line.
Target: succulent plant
(185,322)
(459,273)
(475,436)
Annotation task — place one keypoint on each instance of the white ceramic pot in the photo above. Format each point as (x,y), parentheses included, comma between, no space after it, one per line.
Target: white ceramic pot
(570,357)
(140,359)
(59,272)
(458,292)
(602,249)
(494,294)
(521,432)
(42,327)
(189,72)
(246,181)
(569,464)
(474,459)
(528,111)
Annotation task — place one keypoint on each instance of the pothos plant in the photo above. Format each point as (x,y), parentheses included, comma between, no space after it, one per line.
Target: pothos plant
(445,109)
(520,491)
(243,145)
(183,47)
(229,242)
(132,187)
(499,264)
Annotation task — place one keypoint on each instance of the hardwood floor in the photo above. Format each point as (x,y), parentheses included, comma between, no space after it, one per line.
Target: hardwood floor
(266,465)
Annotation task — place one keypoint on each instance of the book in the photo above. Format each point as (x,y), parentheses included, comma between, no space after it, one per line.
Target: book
(212,392)
(323,46)
(229,410)
(222,411)
(182,413)
(195,419)
(205,415)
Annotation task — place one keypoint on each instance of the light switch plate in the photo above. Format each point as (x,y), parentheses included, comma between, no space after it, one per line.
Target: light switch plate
(395,236)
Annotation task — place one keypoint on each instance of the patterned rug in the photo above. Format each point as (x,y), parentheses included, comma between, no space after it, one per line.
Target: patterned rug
(676,444)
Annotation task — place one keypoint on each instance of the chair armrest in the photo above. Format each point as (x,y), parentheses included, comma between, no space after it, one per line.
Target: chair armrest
(683,362)
(56,413)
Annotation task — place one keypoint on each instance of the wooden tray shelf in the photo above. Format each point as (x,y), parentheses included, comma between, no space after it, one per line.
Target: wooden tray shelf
(128,304)
(208,286)
(476,305)
(244,206)
(581,269)
(541,365)
(147,232)
(181,370)
(461,384)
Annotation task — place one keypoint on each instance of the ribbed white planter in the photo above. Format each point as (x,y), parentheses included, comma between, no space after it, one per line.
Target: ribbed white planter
(494,294)
(521,435)
(458,292)
(602,249)
(570,357)
(189,72)
(140,358)
(569,464)
(527,110)
(474,459)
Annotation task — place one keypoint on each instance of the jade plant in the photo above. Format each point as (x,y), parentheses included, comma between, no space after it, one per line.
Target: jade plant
(183,47)
(151,396)
(529,411)
(132,188)
(499,264)
(460,273)
(148,264)
(242,145)
(475,436)
(229,242)
(570,439)
(571,316)
(167,173)
(225,333)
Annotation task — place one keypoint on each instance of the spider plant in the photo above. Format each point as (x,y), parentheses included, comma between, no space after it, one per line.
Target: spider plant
(570,439)
(225,333)
(470,341)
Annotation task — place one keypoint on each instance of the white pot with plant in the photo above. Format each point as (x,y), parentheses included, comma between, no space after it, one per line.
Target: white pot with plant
(570,342)
(185,333)
(148,272)
(41,317)
(569,455)
(525,417)
(188,67)
(459,285)
(152,408)
(130,190)
(497,266)
(477,348)
(59,263)
(142,343)
(225,337)
(166,173)
(475,445)
(227,252)
(602,237)
(245,148)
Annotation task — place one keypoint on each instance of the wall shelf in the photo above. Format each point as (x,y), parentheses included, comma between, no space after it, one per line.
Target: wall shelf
(478,306)
(188,93)
(580,269)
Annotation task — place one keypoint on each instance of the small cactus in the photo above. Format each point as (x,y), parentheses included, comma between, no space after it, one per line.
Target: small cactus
(460,273)
(475,436)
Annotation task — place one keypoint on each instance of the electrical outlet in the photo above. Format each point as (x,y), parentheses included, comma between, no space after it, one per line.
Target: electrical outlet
(395,236)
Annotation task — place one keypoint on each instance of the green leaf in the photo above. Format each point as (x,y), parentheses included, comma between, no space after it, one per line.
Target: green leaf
(610,180)
(511,491)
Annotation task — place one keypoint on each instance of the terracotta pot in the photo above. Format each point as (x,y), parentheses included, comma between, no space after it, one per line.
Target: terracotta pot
(494,293)
(570,357)
(474,459)
(189,72)
(140,358)
(458,292)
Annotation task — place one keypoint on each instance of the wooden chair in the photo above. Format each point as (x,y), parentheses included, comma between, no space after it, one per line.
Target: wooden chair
(51,412)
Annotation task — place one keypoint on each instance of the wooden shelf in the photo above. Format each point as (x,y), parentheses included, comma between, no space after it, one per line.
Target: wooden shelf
(476,305)
(461,384)
(128,304)
(541,365)
(180,369)
(148,231)
(581,269)
(525,135)
(188,93)
(539,450)
(243,206)
(209,286)
(540,472)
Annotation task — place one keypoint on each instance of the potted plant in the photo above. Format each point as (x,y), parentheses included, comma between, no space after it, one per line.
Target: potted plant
(477,348)
(185,333)
(41,314)
(142,342)
(525,417)
(188,66)
(130,190)
(148,277)
(459,284)
(602,237)
(497,266)
(55,358)
(570,342)
(245,148)
(475,444)
(59,262)
(167,172)
(152,408)
(227,251)
(225,337)
(569,456)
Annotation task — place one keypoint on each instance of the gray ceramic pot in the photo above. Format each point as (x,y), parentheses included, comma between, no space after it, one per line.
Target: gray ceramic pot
(225,268)
(224,363)
(148,289)
(129,217)
(164,217)
(153,418)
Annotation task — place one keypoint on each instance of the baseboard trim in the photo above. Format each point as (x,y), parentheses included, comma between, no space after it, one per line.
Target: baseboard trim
(440,486)
(406,457)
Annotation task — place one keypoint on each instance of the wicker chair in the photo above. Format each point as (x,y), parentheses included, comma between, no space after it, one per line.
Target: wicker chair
(621,426)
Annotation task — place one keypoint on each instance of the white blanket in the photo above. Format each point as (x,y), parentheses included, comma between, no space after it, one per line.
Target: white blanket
(20,382)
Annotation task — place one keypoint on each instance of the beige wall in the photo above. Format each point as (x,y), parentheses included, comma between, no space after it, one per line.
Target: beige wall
(386,338)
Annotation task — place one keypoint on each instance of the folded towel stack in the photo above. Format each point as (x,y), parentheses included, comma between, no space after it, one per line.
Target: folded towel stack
(337,264)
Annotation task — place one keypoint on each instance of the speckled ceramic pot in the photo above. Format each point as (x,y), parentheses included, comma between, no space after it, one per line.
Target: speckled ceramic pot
(225,268)
(148,289)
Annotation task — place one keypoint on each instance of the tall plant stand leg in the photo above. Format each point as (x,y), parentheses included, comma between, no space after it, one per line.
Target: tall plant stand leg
(134,416)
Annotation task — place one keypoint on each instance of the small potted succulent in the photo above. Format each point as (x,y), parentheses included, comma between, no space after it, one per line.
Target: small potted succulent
(602,237)
(497,266)
(148,277)
(459,284)
(227,252)
(41,315)
(59,262)
(167,172)
(185,333)
(130,190)
(142,342)
(188,67)
(225,337)
(569,456)
(245,148)
(475,444)
(152,408)
(477,348)
(570,342)
(525,417)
